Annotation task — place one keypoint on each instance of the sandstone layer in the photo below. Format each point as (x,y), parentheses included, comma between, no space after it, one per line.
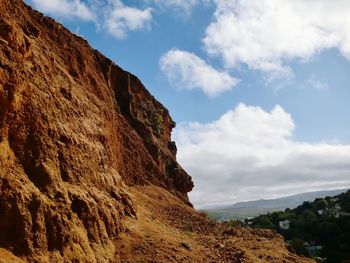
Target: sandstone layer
(82,142)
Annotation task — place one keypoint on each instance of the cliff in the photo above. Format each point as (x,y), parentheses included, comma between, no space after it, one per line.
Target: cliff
(88,170)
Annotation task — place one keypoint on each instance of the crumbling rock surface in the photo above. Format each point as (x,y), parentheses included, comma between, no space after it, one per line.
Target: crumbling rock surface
(166,230)
(88,171)
(75,131)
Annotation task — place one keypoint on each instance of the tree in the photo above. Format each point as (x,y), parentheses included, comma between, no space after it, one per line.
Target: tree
(263,222)
(319,204)
(299,247)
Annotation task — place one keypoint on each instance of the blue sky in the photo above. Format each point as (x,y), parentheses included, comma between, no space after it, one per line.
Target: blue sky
(260,84)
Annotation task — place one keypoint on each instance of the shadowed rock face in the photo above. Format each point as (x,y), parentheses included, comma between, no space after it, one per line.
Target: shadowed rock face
(75,131)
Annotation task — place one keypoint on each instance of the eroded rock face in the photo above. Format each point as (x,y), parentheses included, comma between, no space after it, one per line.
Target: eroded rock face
(75,130)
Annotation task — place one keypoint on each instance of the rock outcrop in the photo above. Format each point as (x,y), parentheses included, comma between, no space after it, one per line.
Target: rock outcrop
(87,166)
(75,131)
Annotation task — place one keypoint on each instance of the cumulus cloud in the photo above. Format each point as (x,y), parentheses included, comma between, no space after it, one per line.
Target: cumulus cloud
(267,34)
(121,19)
(249,153)
(112,15)
(65,8)
(186,70)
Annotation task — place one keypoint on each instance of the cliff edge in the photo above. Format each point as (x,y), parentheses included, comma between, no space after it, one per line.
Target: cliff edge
(88,171)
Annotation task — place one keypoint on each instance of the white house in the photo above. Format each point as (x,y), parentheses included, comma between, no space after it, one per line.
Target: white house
(321,212)
(334,212)
(337,206)
(284,224)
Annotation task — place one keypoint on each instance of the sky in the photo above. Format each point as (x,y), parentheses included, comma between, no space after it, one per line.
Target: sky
(259,89)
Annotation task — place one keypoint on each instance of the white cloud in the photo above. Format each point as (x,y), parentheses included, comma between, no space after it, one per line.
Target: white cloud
(317,84)
(65,8)
(267,34)
(123,19)
(186,70)
(112,15)
(249,153)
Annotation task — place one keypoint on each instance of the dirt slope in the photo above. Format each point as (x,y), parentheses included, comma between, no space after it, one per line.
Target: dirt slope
(166,230)
(88,170)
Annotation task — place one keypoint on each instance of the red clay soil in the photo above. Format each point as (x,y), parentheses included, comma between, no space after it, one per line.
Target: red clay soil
(88,171)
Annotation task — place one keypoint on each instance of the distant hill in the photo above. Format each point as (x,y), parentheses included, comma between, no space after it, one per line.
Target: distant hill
(242,210)
(291,201)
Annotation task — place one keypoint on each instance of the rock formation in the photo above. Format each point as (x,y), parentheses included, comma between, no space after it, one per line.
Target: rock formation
(82,142)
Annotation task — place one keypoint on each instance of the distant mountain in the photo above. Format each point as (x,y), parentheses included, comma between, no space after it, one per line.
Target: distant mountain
(291,201)
(242,210)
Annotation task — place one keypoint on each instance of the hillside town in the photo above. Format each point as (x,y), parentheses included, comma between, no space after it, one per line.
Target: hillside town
(313,229)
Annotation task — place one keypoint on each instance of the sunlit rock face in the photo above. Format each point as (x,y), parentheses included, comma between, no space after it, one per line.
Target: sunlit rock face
(75,132)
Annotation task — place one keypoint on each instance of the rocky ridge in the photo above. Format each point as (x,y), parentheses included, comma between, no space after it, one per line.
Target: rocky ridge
(80,140)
